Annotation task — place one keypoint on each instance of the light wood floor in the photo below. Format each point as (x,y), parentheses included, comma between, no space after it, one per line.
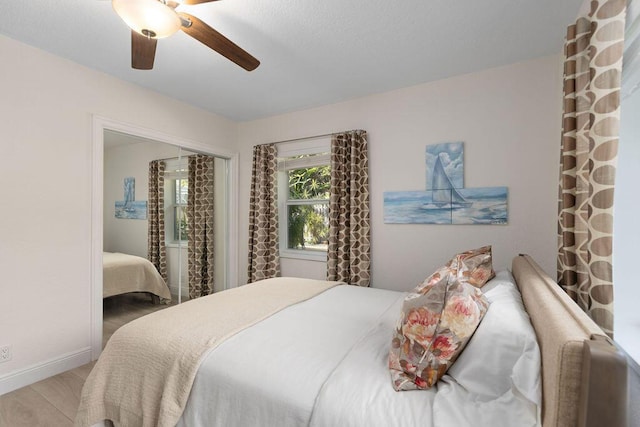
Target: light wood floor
(53,402)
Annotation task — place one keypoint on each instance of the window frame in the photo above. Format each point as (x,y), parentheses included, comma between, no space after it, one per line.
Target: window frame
(321,149)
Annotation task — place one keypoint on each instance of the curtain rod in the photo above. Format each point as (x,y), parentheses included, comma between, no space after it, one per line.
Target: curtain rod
(304,138)
(186,156)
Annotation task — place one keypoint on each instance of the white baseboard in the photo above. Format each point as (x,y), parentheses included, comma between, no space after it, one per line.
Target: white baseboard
(24,377)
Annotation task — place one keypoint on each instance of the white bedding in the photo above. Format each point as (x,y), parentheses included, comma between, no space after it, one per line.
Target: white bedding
(122,273)
(272,374)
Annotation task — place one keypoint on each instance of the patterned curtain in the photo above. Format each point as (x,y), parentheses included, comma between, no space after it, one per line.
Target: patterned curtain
(156,250)
(349,254)
(264,257)
(201,225)
(592,72)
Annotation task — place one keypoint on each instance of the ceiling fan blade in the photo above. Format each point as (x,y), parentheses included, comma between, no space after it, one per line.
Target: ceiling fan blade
(216,41)
(143,51)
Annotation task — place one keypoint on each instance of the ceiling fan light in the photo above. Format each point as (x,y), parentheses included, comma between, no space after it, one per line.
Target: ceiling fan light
(151,18)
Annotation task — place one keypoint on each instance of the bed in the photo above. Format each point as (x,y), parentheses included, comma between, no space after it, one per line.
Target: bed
(123,273)
(292,352)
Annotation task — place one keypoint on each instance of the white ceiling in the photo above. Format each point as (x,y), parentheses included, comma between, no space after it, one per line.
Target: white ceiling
(312,52)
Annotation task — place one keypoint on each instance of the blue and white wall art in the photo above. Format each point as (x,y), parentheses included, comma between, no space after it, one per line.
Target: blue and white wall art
(129,208)
(445,200)
(445,161)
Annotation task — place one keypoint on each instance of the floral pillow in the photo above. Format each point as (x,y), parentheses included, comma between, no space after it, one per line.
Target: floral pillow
(416,329)
(474,267)
(437,320)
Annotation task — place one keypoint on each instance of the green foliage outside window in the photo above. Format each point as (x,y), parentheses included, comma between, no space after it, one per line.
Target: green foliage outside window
(181,225)
(308,223)
(181,194)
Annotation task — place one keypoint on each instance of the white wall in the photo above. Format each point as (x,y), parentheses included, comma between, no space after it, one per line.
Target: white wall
(509,121)
(46,113)
(627,231)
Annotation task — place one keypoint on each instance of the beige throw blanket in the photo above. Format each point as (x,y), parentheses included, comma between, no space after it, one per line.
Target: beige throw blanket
(122,273)
(145,374)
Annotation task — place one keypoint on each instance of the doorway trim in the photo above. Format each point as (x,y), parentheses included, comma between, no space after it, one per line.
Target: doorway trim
(101,124)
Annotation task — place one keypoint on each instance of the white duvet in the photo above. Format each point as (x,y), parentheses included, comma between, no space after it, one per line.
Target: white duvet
(323,363)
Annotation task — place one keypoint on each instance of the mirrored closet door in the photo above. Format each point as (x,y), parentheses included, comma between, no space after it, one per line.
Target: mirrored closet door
(167,205)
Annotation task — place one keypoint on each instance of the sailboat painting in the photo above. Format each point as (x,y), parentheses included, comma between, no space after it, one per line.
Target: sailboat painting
(445,166)
(489,206)
(445,200)
(129,208)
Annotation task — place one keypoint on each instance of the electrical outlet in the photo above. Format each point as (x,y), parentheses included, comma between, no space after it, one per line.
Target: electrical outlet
(5,353)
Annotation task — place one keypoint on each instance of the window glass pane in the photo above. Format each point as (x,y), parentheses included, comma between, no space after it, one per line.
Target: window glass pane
(180,226)
(309,183)
(308,226)
(182,191)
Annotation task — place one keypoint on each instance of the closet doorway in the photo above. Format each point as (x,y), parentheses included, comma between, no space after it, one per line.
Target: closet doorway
(121,161)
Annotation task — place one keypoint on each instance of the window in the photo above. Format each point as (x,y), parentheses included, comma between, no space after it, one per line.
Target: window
(176,192)
(303,198)
(179,196)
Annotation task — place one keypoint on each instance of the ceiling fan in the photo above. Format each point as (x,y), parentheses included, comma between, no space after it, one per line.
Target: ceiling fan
(150,20)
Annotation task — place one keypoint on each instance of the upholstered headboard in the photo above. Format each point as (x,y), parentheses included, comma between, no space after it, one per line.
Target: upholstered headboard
(584,376)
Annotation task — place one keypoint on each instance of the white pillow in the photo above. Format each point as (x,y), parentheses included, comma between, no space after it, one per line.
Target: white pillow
(503,354)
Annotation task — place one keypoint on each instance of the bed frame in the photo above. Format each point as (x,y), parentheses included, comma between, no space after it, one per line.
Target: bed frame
(584,376)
